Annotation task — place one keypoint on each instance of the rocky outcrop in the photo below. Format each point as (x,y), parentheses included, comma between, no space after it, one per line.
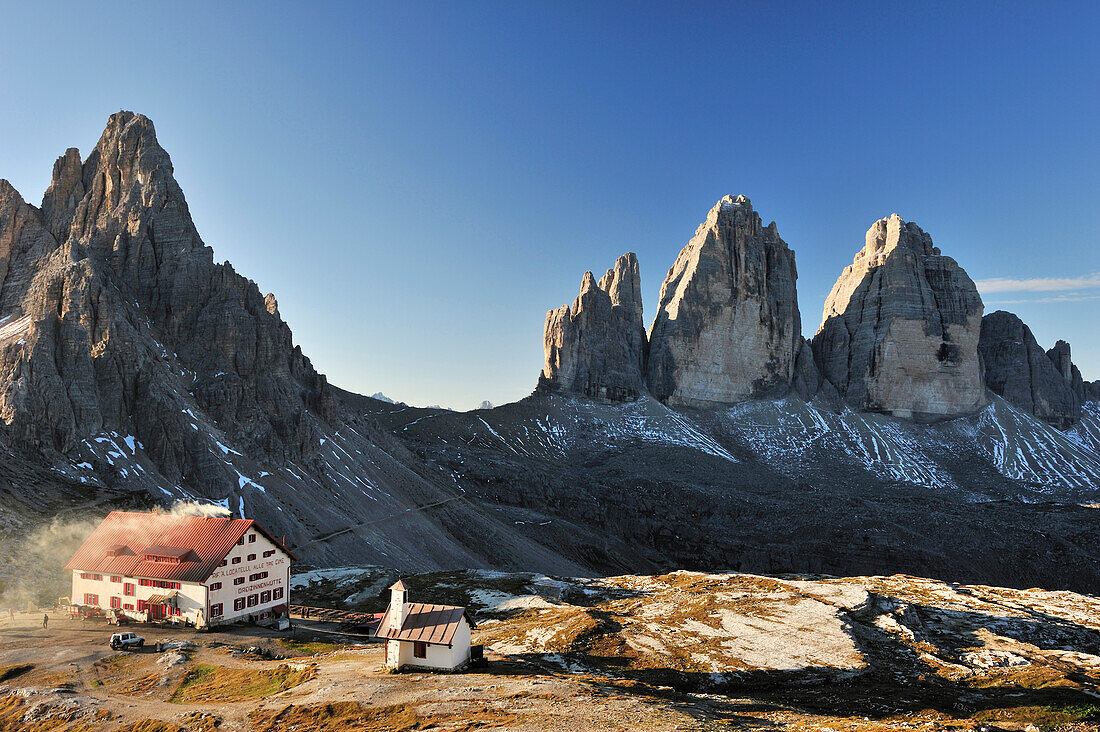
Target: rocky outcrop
(1045,384)
(24,241)
(596,347)
(727,327)
(1092,391)
(899,332)
(1062,358)
(807,379)
(1017,369)
(119,299)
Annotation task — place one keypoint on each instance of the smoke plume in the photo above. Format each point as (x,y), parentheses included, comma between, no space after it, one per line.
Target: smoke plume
(193,508)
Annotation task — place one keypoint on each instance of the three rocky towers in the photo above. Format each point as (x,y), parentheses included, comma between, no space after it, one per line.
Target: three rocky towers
(902,331)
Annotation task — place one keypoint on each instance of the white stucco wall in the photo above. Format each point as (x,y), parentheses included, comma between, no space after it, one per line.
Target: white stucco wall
(438,656)
(277,567)
(460,645)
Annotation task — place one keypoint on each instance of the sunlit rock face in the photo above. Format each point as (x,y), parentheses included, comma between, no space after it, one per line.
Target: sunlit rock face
(1047,385)
(596,347)
(899,332)
(727,328)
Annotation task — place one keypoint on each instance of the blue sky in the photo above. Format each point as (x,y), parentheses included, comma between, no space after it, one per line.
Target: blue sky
(419,183)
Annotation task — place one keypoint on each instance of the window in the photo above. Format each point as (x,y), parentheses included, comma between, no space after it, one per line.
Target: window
(128,606)
(277,593)
(128,589)
(159,583)
(420,649)
(240,542)
(251,538)
(238,604)
(269,553)
(141,606)
(238,580)
(159,558)
(116,579)
(252,557)
(215,586)
(216,610)
(97,577)
(236,560)
(91,599)
(253,600)
(116,602)
(224,562)
(257,576)
(265,597)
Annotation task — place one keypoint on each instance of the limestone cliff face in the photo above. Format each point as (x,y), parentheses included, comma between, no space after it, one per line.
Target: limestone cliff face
(596,347)
(728,327)
(899,333)
(24,241)
(123,318)
(1017,369)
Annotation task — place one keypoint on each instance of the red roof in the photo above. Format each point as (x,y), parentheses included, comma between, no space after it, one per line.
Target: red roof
(203,541)
(424,622)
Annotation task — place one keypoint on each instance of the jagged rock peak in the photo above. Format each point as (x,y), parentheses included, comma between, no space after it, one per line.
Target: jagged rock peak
(1061,356)
(127,170)
(596,347)
(1062,359)
(65,191)
(728,326)
(899,331)
(118,297)
(624,283)
(1017,369)
(887,234)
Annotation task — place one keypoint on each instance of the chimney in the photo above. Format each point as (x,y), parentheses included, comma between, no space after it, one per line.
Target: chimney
(399,597)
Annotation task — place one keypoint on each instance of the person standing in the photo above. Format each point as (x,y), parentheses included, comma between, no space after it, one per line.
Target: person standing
(45,622)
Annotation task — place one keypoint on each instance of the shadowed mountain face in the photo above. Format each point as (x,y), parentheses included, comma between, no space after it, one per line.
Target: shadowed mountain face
(135,371)
(776,486)
(1048,385)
